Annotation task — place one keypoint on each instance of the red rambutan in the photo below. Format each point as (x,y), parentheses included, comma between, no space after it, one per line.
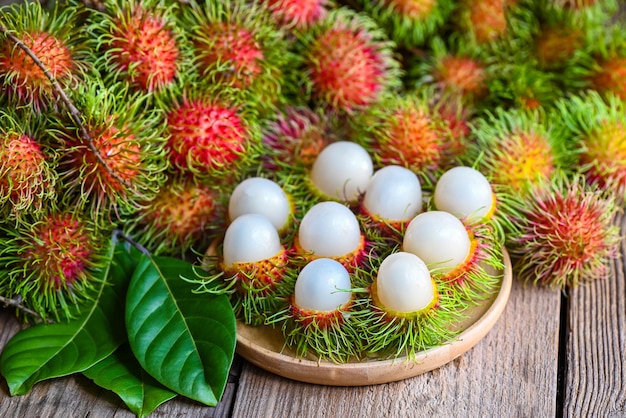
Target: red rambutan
(298,14)
(349,62)
(53,38)
(564,233)
(139,43)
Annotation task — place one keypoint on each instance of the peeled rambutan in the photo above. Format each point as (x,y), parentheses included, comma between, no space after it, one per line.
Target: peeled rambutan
(298,14)
(409,22)
(121,163)
(348,61)
(597,126)
(182,217)
(53,37)
(564,233)
(237,44)
(51,263)
(516,147)
(27,177)
(137,42)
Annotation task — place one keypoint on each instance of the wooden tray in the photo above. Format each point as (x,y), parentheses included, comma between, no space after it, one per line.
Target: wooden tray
(264,347)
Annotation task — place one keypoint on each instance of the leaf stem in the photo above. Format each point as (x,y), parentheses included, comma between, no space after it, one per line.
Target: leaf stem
(74,112)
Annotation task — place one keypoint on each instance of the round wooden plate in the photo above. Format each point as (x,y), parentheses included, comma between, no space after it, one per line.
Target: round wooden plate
(264,347)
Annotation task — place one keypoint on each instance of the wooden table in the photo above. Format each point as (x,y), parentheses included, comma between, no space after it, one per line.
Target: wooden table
(549,355)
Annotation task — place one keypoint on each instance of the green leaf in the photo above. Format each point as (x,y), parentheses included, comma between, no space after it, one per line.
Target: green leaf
(121,373)
(183,339)
(52,350)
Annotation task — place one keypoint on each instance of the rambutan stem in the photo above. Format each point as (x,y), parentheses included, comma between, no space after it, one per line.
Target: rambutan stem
(74,112)
(16,303)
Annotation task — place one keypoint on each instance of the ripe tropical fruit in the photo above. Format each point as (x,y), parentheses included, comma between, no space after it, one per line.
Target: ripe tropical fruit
(348,62)
(54,38)
(564,233)
(137,42)
(51,264)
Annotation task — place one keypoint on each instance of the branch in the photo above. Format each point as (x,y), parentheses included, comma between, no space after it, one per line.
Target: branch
(17,303)
(74,112)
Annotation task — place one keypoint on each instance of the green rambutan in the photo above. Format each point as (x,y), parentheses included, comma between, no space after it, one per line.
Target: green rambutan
(564,232)
(183,216)
(51,263)
(597,126)
(236,43)
(137,42)
(348,62)
(409,22)
(516,147)
(122,163)
(27,176)
(53,37)
(298,14)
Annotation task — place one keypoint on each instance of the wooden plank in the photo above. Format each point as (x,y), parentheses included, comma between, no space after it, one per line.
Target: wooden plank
(596,345)
(76,396)
(511,372)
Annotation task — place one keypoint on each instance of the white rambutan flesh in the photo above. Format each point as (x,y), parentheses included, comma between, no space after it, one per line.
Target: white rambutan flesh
(250,238)
(464,192)
(404,284)
(342,171)
(322,285)
(262,196)
(439,239)
(393,193)
(329,229)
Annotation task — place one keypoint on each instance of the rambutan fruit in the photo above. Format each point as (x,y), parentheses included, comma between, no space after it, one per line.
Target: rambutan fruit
(210,135)
(237,44)
(316,322)
(27,168)
(404,310)
(455,69)
(516,147)
(54,38)
(294,137)
(460,252)
(331,230)
(298,15)
(597,127)
(409,22)
(120,163)
(52,263)
(483,21)
(348,62)
(408,131)
(249,264)
(137,42)
(609,76)
(564,233)
(182,218)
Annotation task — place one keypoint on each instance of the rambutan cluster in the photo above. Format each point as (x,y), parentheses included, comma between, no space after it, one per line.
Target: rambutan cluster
(145,117)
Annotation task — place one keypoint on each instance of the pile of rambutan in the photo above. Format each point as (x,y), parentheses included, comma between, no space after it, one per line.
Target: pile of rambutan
(345,122)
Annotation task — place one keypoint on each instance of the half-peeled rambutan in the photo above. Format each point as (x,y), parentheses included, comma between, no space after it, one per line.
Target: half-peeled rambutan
(564,233)
(137,42)
(348,62)
(53,38)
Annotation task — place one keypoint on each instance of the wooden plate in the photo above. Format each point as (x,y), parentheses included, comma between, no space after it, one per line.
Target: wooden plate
(263,347)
